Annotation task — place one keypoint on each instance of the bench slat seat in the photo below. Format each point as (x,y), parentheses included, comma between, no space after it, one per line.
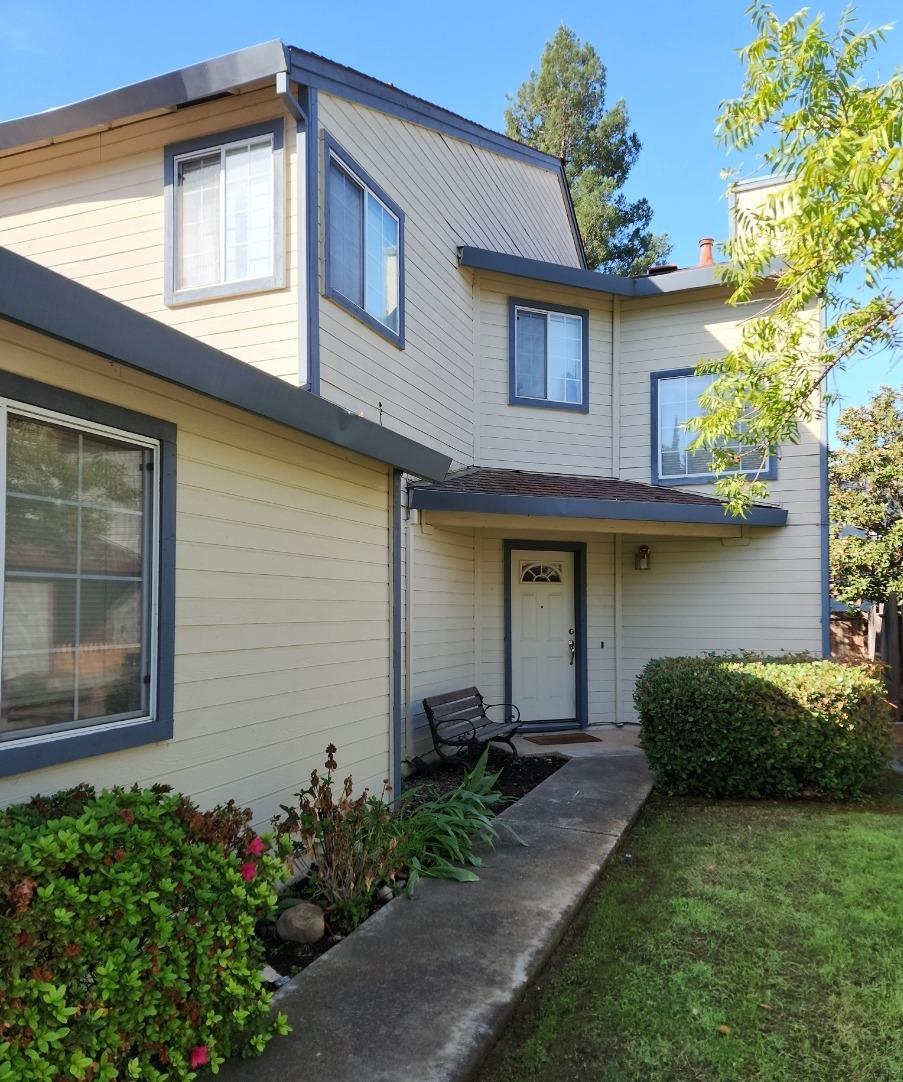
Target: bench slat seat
(459,720)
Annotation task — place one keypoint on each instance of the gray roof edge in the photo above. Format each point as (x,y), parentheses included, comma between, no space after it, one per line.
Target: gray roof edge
(425,498)
(330,75)
(225,73)
(179,87)
(655,285)
(41,299)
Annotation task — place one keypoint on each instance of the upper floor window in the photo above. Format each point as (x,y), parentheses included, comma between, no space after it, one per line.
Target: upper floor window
(548,356)
(364,246)
(675,400)
(79,575)
(225,215)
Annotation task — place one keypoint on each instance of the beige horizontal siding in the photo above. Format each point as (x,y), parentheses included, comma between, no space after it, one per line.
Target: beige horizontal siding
(92,209)
(453,194)
(550,440)
(443,580)
(282,608)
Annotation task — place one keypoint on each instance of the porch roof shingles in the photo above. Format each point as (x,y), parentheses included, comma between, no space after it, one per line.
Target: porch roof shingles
(519,492)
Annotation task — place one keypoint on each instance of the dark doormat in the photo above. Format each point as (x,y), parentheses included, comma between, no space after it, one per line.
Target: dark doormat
(563,738)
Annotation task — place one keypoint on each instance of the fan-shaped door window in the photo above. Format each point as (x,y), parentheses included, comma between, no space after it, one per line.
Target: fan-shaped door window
(540,572)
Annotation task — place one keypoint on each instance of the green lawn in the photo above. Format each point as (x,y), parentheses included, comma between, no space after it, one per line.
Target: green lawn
(783,922)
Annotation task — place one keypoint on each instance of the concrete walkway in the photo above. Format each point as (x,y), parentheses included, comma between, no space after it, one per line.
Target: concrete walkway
(422,990)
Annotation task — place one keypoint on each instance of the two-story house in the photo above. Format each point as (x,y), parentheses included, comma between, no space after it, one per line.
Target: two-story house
(326,290)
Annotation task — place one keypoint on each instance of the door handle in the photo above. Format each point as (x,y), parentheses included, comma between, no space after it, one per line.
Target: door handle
(572,649)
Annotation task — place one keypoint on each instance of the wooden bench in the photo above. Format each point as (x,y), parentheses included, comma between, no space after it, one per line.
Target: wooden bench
(459,720)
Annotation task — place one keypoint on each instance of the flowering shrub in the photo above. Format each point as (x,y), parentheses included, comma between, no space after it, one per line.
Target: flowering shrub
(351,840)
(357,844)
(127,945)
(738,727)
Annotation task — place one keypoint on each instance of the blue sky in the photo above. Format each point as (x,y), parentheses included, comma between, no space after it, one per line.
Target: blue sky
(672,62)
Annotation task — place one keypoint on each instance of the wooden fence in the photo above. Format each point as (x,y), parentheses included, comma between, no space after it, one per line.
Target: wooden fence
(885,643)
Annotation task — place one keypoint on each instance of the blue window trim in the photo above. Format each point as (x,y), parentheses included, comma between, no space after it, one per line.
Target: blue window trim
(769,474)
(514,399)
(172,296)
(578,548)
(17,757)
(330,146)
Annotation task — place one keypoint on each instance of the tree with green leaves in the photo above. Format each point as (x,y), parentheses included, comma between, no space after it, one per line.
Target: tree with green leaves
(561,110)
(866,479)
(830,239)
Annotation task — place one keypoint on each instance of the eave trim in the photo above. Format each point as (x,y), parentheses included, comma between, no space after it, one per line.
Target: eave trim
(41,299)
(427,499)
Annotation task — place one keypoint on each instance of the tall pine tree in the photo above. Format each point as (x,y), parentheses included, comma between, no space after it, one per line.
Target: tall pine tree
(561,110)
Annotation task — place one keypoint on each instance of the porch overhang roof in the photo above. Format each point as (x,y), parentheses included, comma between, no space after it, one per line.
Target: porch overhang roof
(517,492)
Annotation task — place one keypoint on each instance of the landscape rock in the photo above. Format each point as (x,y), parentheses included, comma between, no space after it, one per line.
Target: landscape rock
(385,894)
(303,923)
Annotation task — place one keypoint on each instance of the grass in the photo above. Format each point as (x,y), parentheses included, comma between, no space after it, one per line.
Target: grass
(745,941)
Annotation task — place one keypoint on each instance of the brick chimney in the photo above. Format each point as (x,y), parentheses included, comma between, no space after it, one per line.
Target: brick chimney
(706,245)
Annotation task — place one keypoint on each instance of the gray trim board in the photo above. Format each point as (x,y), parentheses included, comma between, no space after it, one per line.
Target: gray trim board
(825,524)
(197,82)
(514,399)
(172,295)
(345,82)
(426,499)
(398,706)
(572,215)
(312,165)
(769,474)
(224,74)
(555,273)
(68,745)
(36,297)
(581,676)
(353,170)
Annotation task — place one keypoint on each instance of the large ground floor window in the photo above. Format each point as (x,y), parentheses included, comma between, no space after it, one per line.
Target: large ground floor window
(79,527)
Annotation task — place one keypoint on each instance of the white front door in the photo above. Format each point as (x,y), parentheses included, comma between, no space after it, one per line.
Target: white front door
(543,672)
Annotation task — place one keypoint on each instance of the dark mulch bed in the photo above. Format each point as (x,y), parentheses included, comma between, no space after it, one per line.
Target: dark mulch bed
(516,778)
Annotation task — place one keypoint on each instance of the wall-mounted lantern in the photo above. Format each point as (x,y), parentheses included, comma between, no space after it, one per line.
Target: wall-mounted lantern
(641,558)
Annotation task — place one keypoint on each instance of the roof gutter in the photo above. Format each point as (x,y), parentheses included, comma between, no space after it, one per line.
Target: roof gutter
(288,99)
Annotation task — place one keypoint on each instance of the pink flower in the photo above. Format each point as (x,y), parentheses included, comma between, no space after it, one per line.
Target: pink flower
(257,846)
(248,871)
(199,1056)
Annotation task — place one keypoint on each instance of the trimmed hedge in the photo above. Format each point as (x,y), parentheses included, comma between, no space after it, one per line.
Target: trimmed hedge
(735,727)
(127,943)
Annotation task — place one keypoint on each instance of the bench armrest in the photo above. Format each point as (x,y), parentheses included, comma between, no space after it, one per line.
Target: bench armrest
(515,717)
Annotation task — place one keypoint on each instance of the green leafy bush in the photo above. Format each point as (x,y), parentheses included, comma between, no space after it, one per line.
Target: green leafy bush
(736,727)
(127,945)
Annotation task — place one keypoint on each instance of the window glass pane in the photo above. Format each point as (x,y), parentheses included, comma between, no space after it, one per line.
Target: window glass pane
(76,590)
(109,648)
(249,211)
(565,358)
(38,654)
(198,216)
(382,264)
(678,402)
(345,222)
(530,354)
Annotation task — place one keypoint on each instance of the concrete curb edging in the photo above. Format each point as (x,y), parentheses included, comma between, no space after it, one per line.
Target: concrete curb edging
(423,989)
